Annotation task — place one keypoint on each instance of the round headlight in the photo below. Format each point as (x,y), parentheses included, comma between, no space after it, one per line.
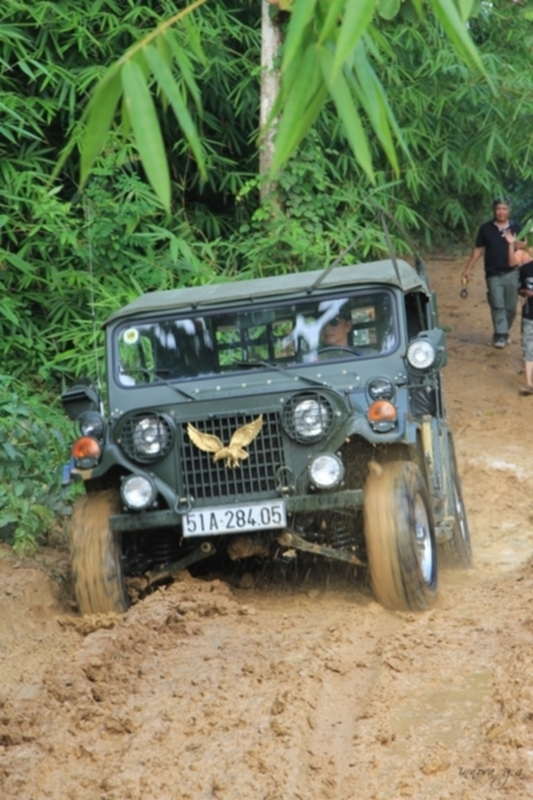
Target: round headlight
(380,389)
(421,354)
(137,492)
(311,418)
(326,471)
(92,424)
(150,436)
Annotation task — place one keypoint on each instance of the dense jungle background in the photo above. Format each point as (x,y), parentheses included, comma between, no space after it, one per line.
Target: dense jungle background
(68,258)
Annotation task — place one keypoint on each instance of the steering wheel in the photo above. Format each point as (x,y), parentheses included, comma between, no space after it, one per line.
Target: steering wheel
(339,347)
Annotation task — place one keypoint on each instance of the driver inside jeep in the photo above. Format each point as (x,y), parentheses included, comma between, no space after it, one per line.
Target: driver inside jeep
(335,331)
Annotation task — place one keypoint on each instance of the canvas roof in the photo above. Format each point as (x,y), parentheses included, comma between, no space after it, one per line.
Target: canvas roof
(377,272)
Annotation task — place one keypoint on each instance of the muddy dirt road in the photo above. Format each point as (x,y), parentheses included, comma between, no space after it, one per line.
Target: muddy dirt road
(303,691)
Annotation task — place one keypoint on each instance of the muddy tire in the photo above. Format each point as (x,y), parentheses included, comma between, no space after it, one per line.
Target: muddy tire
(400,537)
(96,555)
(457,552)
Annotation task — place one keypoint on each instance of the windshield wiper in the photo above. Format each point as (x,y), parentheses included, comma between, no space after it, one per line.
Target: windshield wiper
(283,370)
(149,374)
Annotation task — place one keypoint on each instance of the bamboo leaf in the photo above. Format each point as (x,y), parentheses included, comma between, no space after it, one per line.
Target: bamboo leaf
(18,262)
(297,133)
(171,91)
(448,16)
(348,113)
(7,313)
(298,103)
(466,7)
(126,122)
(356,19)
(101,111)
(302,15)
(387,9)
(186,70)
(331,20)
(373,98)
(145,126)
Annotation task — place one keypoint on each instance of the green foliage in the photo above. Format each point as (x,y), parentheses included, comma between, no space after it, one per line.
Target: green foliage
(68,259)
(324,54)
(467,144)
(34,436)
(129,78)
(321,204)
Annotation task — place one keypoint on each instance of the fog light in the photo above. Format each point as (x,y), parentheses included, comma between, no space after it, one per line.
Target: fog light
(380,389)
(326,471)
(92,424)
(137,492)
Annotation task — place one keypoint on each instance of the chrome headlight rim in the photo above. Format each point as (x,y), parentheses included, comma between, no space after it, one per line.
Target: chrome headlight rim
(138,492)
(421,354)
(308,417)
(326,471)
(132,440)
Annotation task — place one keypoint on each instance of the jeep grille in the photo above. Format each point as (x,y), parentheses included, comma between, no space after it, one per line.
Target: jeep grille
(204,479)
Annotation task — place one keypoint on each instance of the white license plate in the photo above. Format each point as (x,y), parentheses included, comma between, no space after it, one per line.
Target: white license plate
(234,519)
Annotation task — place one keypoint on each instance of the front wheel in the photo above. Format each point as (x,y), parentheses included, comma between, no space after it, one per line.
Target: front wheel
(400,537)
(457,552)
(96,555)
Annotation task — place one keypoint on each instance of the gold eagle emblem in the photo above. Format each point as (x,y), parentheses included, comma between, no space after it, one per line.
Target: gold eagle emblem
(234,453)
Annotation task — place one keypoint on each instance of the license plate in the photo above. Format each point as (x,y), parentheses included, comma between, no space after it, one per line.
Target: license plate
(234,519)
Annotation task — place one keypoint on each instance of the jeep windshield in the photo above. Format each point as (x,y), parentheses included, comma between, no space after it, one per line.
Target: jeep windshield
(294,333)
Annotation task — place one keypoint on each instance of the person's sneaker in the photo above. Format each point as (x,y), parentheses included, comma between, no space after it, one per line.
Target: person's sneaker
(508,340)
(500,343)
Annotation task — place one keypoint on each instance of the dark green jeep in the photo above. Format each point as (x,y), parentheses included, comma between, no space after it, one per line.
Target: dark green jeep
(264,418)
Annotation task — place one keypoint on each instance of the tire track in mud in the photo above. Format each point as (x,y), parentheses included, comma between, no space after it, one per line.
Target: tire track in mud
(232,699)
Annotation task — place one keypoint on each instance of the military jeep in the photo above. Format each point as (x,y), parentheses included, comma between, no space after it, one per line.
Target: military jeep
(271,418)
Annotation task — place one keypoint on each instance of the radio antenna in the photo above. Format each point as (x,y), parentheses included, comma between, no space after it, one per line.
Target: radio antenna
(89,227)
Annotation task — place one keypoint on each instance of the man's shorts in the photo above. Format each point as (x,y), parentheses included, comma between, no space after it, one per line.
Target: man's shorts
(527,339)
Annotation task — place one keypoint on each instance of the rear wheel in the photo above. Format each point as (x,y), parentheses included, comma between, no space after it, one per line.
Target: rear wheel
(96,555)
(400,537)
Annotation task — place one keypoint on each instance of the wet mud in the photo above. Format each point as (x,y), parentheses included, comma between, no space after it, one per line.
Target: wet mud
(304,690)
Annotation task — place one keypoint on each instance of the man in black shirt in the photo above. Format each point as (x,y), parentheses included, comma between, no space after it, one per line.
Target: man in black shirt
(500,276)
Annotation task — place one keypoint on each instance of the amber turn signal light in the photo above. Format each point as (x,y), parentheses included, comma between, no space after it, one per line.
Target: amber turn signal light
(382,411)
(86,447)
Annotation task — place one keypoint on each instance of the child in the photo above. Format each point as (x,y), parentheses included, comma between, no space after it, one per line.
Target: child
(524,261)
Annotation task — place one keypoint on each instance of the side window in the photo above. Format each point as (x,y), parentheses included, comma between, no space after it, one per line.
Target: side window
(373,324)
(415,311)
(136,357)
(364,326)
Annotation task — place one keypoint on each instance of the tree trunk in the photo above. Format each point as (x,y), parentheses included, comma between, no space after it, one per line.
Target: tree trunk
(270,83)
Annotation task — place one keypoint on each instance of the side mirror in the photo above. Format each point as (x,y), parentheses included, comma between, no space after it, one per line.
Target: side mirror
(81,398)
